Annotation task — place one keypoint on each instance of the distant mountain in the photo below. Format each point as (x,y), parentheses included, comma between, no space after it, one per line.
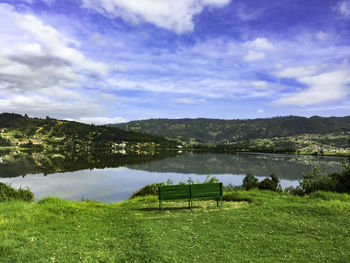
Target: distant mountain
(21,131)
(217,131)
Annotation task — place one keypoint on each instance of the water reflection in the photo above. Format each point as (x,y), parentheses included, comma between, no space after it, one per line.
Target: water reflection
(14,164)
(290,167)
(111,177)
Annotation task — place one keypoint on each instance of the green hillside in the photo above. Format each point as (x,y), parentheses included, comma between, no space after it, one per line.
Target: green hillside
(280,134)
(24,132)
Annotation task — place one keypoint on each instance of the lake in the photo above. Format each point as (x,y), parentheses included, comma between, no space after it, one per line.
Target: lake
(111,178)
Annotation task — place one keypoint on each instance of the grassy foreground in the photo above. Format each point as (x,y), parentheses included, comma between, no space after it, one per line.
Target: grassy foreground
(271,227)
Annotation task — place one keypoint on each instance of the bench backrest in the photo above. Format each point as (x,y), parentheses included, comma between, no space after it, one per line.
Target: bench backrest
(173,192)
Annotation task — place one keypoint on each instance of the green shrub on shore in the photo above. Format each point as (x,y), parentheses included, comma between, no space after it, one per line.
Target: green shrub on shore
(251,182)
(317,180)
(8,193)
(150,189)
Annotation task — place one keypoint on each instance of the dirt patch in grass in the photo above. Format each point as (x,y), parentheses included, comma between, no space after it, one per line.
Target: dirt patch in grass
(198,205)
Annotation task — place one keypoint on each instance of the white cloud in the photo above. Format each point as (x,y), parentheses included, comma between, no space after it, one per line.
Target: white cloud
(175,15)
(190,101)
(259,44)
(101,120)
(299,72)
(321,87)
(41,105)
(254,56)
(42,71)
(344,8)
(34,55)
(260,84)
(260,111)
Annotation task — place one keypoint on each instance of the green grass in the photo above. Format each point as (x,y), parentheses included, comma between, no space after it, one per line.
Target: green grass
(255,226)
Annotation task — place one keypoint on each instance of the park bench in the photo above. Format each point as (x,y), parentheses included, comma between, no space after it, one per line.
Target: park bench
(189,192)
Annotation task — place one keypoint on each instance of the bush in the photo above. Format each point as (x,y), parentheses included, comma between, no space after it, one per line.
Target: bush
(270,184)
(342,179)
(250,182)
(211,180)
(150,189)
(294,190)
(316,180)
(8,193)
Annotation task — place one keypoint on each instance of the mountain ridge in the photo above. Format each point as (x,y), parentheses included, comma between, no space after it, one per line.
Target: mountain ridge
(204,130)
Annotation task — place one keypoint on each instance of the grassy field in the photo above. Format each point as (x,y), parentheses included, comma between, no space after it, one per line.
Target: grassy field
(255,226)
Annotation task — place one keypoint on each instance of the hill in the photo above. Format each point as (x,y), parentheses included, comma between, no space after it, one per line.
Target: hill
(218,131)
(279,134)
(24,132)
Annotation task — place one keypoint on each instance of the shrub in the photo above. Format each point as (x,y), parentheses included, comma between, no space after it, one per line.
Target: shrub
(266,184)
(270,184)
(250,182)
(211,180)
(316,180)
(8,193)
(150,189)
(294,190)
(342,179)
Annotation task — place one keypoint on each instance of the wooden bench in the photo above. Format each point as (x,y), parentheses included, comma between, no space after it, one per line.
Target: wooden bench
(191,191)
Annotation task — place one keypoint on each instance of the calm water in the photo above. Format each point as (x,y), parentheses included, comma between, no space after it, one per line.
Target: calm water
(117,181)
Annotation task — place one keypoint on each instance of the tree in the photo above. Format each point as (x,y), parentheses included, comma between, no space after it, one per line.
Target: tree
(250,182)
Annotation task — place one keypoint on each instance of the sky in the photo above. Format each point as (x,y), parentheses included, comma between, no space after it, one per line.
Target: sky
(110,61)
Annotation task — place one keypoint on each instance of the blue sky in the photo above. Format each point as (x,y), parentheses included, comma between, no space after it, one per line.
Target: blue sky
(108,61)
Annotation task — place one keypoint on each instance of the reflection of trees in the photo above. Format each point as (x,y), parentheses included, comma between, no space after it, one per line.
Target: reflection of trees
(284,166)
(20,164)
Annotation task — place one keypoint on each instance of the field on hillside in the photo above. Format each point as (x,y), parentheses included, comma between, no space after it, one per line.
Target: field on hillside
(255,226)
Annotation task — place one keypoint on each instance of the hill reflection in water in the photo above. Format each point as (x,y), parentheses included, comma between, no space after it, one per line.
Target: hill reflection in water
(290,167)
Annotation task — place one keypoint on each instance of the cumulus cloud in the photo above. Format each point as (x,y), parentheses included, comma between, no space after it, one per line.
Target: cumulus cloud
(254,55)
(41,106)
(42,70)
(172,15)
(320,87)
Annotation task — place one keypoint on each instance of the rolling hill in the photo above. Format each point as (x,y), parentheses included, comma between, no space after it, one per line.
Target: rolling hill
(21,131)
(218,131)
